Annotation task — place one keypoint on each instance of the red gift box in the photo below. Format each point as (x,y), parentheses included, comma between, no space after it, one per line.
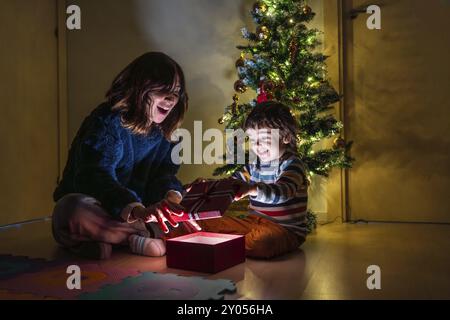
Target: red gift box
(207,200)
(205,252)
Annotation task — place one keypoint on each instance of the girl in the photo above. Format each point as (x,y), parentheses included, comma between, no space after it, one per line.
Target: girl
(119,174)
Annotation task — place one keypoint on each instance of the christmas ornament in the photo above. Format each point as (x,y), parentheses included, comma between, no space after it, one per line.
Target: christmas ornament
(262,32)
(221,120)
(306,10)
(239,86)
(259,8)
(339,143)
(262,97)
(263,94)
(240,62)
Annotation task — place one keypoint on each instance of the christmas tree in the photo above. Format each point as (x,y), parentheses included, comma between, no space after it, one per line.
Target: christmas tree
(281,62)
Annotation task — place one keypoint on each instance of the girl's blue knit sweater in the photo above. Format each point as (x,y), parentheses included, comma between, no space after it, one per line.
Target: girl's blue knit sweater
(115,166)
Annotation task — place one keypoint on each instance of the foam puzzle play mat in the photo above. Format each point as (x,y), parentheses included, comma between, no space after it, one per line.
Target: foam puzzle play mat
(23,278)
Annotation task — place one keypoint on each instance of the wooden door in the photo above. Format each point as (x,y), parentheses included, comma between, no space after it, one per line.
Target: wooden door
(397,111)
(29,109)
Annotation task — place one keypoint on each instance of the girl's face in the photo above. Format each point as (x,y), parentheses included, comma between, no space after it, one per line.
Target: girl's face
(162,104)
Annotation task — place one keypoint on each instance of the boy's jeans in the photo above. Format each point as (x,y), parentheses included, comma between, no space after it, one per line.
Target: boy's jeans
(263,238)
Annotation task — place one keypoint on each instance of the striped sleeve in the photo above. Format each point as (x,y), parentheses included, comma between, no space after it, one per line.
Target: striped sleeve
(290,180)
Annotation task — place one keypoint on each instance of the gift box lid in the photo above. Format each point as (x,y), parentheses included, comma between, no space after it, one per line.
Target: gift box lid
(208,199)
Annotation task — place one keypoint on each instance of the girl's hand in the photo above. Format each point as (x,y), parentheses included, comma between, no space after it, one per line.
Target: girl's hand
(244,189)
(174,196)
(160,213)
(191,225)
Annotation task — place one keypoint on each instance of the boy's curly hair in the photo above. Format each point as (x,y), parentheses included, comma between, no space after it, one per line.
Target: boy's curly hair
(274,115)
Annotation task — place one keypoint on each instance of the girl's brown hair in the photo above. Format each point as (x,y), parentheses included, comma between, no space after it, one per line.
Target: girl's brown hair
(130,93)
(274,115)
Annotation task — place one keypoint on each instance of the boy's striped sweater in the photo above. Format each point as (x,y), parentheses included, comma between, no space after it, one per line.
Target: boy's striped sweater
(282,191)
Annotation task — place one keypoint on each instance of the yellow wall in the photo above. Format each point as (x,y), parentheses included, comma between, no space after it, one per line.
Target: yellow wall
(29,110)
(397,111)
(395,81)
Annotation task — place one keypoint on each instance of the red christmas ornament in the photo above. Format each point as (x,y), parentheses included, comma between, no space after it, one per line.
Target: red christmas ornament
(263,95)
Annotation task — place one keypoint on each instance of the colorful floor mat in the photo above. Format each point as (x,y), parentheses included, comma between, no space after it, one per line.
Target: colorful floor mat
(11,266)
(155,286)
(50,280)
(23,278)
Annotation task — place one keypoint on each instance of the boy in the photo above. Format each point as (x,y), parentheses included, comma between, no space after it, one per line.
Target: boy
(276,184)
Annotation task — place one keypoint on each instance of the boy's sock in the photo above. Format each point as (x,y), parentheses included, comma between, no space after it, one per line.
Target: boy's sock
(93,250)
(147,246)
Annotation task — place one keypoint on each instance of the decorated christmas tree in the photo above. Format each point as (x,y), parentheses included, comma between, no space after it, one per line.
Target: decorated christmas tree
(281,62)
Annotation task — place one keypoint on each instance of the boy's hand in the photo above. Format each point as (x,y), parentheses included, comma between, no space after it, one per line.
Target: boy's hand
(244,189)
(160,212)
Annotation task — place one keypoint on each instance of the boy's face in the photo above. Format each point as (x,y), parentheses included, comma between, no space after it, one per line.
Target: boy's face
(266,143)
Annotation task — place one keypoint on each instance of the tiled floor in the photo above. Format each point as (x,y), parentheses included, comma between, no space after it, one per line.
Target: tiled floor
(414,261)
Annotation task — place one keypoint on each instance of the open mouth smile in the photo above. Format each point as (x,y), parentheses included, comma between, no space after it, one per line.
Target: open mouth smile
(162,110)
(264,154)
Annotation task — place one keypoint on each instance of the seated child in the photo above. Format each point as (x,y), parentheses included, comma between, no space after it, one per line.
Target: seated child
(276,184)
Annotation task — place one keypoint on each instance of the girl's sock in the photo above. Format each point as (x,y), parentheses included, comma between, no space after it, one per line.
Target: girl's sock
(147,246)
